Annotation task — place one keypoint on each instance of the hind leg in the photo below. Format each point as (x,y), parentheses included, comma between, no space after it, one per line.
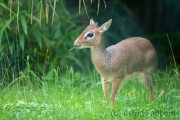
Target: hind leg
(115,86)
(146,81)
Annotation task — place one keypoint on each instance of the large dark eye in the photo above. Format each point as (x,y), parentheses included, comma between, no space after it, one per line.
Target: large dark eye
(90,35)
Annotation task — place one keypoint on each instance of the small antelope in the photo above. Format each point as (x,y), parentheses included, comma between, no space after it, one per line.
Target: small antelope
(134,55)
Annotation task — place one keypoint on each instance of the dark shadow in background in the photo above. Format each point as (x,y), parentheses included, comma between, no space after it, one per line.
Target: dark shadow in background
(152,19)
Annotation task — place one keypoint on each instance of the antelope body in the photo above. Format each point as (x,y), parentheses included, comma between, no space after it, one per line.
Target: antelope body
(134,55)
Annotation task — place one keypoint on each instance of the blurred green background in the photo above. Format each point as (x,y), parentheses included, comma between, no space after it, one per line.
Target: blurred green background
(37,35)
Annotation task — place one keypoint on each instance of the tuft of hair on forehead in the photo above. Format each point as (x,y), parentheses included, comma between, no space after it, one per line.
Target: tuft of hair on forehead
(92,26)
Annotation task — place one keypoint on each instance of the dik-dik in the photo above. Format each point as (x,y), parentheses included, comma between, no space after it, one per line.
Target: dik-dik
(134,55)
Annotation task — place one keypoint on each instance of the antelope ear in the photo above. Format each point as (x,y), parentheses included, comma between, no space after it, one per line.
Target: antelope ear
(91,21)
(104,27)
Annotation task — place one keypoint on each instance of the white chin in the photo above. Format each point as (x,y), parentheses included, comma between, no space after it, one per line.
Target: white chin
(82,47)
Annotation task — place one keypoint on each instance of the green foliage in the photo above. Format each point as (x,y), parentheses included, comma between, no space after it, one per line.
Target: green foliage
(43,31)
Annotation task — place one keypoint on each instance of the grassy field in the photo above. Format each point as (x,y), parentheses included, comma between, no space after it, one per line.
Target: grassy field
(73,96)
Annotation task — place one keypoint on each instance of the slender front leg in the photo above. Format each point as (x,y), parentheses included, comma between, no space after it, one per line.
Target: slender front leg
(105,87)
(115,86)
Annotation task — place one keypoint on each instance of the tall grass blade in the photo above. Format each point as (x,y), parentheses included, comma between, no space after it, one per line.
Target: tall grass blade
(40,12)
(31,11)
(54,12)
(6,25)
(10,44)
(172,52)
(23,23)
(85,9)
(7,8)
(104,4)
(98,6)
(54,8)
(79,6)
(10,6)
(47,12)
(17,16)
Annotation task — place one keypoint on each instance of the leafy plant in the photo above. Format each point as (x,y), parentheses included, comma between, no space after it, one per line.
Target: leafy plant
(43,31)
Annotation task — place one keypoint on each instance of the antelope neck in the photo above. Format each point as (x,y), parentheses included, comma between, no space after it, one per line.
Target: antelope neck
(100,56)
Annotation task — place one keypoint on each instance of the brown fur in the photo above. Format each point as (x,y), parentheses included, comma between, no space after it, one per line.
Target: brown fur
(132,55)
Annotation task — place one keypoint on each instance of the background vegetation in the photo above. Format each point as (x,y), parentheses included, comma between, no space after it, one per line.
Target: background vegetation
(41,79)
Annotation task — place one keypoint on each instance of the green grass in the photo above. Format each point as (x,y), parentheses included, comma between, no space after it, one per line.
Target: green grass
(64,99)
